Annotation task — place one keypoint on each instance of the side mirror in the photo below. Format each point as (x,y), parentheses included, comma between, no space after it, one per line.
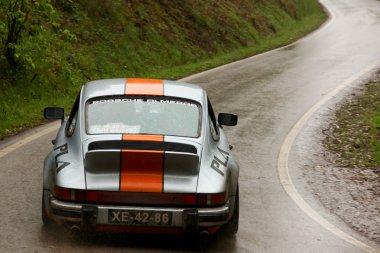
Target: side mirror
(227,119)
(53,113)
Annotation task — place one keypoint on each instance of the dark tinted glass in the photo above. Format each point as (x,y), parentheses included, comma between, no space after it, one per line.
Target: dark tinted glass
(52,113)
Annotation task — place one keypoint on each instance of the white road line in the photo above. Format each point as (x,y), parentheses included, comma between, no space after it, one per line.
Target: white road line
(283,169)
(22,142)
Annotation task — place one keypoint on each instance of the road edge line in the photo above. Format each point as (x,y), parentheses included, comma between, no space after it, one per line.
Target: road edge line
(12,147)
(283,169)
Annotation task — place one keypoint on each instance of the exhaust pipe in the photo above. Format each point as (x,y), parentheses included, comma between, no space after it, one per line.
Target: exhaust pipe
(75,230)
(204,235)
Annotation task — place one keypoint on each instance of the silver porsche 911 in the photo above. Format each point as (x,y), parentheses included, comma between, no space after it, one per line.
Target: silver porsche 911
(141,155)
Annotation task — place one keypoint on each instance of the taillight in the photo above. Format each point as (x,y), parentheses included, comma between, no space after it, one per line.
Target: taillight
(118,197)
(211,199)
(141,198)
(188,199)
(68,194)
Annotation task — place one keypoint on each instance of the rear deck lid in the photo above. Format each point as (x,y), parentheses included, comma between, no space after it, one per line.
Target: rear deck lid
(142,163)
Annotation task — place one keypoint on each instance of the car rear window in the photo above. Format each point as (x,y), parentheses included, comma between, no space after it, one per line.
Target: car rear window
(143,115)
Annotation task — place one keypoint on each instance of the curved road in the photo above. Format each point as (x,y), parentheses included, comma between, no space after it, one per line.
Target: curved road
(270,93)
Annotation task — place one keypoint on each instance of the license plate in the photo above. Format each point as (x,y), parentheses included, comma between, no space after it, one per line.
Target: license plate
(135,217)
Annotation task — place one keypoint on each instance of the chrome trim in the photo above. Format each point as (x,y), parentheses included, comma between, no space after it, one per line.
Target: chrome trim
(65,206)
(102,216)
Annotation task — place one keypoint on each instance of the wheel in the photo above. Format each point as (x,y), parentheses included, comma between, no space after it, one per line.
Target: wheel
(45,218)
(232,226)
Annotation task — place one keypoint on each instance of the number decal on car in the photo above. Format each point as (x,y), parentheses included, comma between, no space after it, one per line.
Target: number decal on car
(63,149)
(216,162)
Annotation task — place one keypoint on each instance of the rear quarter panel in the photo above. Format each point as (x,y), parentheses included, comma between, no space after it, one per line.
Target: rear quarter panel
(219,171)
(64,164)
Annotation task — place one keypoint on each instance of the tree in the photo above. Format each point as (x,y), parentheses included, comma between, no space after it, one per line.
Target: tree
(19,18)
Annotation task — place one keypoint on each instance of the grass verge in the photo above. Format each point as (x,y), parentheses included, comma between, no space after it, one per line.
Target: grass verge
(354,134)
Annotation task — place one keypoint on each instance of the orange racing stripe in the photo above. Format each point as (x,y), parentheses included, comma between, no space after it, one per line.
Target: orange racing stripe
(142,170)
(142,137)
(141,86)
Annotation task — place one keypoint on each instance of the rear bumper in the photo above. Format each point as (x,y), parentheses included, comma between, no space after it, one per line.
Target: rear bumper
(96,217)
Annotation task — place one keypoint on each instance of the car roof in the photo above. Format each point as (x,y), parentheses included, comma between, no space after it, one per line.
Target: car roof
(143,87)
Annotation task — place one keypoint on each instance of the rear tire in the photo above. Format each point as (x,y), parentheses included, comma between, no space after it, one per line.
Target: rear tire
(232,226)
(45,218)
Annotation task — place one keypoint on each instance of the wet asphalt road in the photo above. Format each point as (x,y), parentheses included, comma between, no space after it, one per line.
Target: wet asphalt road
(270,93)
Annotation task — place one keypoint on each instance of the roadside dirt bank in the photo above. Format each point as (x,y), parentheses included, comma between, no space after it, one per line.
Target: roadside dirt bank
(335,172)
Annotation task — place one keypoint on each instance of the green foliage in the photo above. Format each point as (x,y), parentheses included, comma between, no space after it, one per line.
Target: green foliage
(21,20)
(64,43)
